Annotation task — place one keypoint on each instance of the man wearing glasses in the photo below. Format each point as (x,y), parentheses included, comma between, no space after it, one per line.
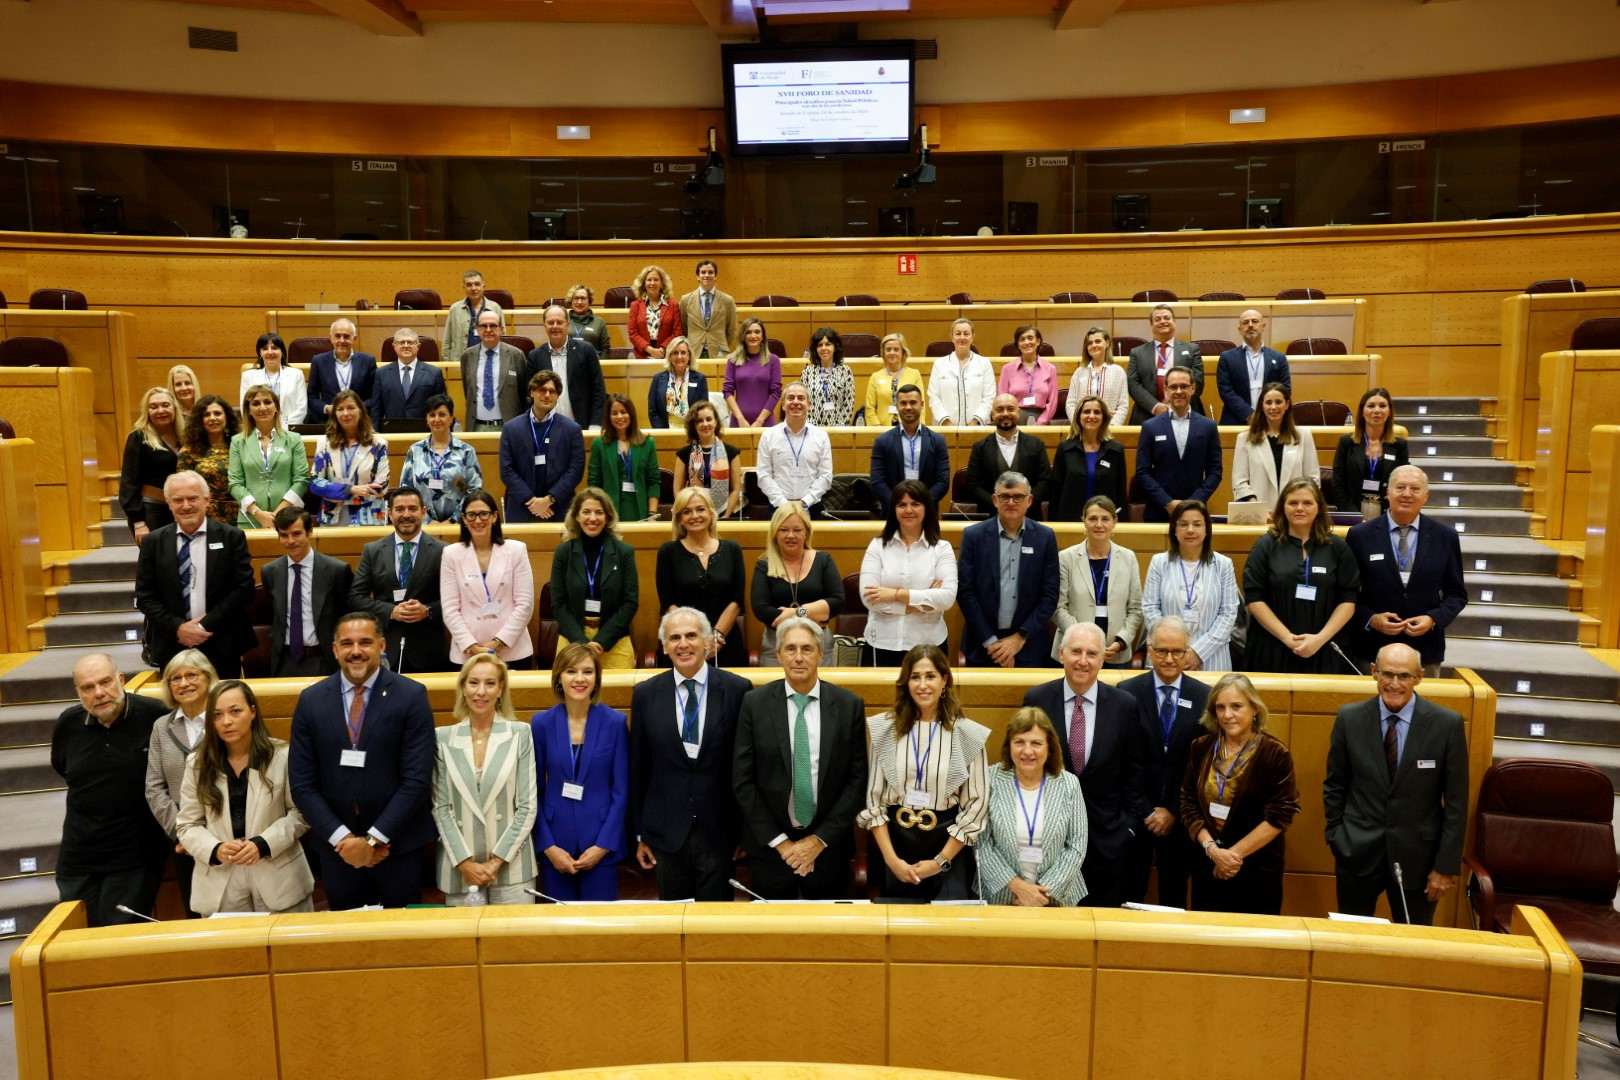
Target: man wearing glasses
(1396,795)
(542,455)
(1007,582)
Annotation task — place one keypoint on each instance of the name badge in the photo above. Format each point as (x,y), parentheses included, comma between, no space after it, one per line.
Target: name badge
(511,371)
(1219,811)
(1106,464)
(216,547)
(1389,457)
(1375,558)
(539,459)
(627,487)
(593,607)
(489,610)
(894,410)
(1029,853)
(399,594)
(1184,703)
(1369,485)
(1028,402)
(1160,438)
(1028,551)
(829,406)
(1305,592)
(692,749)
(1319,569)
(573,791)
(1425,764)
(352,759)
(435,484)
(1189,615)
(1406,577)
(911,473)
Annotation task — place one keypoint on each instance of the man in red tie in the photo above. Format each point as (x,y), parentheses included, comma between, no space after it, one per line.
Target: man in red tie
(1144,375)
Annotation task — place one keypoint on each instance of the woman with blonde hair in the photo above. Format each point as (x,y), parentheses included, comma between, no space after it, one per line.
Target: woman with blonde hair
(268,469)
(151,456)
(700,570)
(654,321)
(594,588)
(753,382)
(350,473)
(883,387)
(183,384)
(792,579)
(678,389)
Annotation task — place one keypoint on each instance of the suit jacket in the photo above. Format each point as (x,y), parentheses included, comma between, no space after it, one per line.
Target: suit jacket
(1116,799)
(1232,380)
(510,582)
(458,323)
(1077,596)
(658,415)
(1164,760)
(762,768)
(985,464)
(978,589)
(482,815)
(329,591)
(564,451)
(671,793)
(324,385)
(166,754)
(229,592)
(1142,376)
(511,382)
(1066,485)
(1435,587)
(1063,839)
(597,818)
(1350,471)
(616,586)
(717,333)
(288,479)
(375,580)
(669,326)
(582,379)
(889,462)
(1164,475)
(283,879)
(1254,469)
(392,792)
(388,397)
(1416,819)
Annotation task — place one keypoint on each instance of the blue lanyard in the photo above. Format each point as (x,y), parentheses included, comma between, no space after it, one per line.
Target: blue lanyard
(624,464)
(1099,579)
(1029,374)
(487,595)
(919,755)
(534,430)
(1222,777)
(592,571)
(439,459)
(349,453)
(1372,461)
(574,750)
(1307,555)
(788,438)
(1029,820)
(1190,586)
(701,695)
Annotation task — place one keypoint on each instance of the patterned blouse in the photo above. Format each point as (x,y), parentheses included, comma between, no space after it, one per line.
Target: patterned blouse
(215,467)
(443,480)
(952,764)
(335,472)
(832,394)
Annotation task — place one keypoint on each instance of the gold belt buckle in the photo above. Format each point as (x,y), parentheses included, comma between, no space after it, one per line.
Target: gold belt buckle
(907,818)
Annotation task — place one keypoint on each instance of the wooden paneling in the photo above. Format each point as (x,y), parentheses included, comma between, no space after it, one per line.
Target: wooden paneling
(1534,324)
(22,586)
(52,407)
(1578,391)
(1601,571)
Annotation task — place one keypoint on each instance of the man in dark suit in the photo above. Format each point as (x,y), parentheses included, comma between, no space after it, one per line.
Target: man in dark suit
(1411,574)
(542,455)
(1150,365)
(308,592)
(402,389)
(799,774)
(1178,454)
(1007,582)
(1169,708)
(683,733)
(494,377)
(1242,372)
(1098,732)
(194,582)
(398,582)
(360,765)
(1008,448)
(340,369)
(910,450)
(581,369)
(1396,795)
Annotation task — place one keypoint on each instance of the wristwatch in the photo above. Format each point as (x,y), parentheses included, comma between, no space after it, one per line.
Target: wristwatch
(372,842)
(944,863)
(800,612)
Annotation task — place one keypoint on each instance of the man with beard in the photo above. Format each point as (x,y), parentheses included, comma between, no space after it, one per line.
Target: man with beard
(1008,449)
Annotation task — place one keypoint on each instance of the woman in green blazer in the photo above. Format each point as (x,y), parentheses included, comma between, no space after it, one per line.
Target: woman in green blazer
(624,462)
(594,589)
(268,467)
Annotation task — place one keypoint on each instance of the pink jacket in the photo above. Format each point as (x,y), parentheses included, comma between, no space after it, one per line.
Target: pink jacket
(462,591)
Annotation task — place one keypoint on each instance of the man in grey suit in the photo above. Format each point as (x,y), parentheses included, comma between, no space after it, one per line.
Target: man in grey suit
(1396,795)
(309,592)
(494,378)
(1150,363)
(398,581)
(461,321)
(799,773)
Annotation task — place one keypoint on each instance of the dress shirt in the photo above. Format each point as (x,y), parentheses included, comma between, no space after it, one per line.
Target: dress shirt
(1090,697)
(914,567)
(702,680)
(812,721)
(1403,724)
(1180,424)
(1257,369)
(1008,448)
(199,566)
(559,363)
(306,570)
(347,691)
(344,369)
(193,726)
(1411,545)
(785,476)
(492,359)
(1009,551)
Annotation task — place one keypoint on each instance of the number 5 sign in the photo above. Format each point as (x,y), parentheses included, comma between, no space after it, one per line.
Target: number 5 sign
(905,264)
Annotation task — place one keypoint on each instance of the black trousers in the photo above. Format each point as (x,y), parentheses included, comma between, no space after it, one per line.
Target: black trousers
(134,887)
(285,667)
(774,879)
(1358,895)
(394,883)
(184,866)
(1104,878)
(1172,854)
(697,871)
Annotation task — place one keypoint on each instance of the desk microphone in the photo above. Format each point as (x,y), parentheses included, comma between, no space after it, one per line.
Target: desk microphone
(299,232)
(482,227)
(132,911)
(1353,669)
(399,666)
(1400,883)
(735,884)
(543,896)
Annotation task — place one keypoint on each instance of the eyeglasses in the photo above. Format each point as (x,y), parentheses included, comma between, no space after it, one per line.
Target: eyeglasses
(1167,654)
(1402,677)
(1011,497)
(478,515)
(185,677)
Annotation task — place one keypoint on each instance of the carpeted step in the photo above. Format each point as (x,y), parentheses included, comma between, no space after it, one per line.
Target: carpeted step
(115,532)
(1440,406)
(29,725)
(1486,522)
(93,628)
(1462,470)
(33,832)
(1479,497)
(1507,555)
(1605,758)
(1509,623)
(1454,446)
(95,596)
(108,564)
(1528,590)
(48,676)
(1534,669)
(1472,426)
(26,768)
(26,900)
(1594,722)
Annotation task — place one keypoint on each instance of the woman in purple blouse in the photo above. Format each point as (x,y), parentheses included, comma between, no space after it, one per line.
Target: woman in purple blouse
(753,382)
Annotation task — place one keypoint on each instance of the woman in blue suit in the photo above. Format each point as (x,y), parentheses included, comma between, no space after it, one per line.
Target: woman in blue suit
(582,758)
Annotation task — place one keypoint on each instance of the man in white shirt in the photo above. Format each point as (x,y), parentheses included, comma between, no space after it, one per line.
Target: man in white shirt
(494,378)
(1243,372)
(795,458)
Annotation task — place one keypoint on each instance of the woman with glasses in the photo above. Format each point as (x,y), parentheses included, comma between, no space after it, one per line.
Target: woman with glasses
(1193,580)
(187,678)
(486,588)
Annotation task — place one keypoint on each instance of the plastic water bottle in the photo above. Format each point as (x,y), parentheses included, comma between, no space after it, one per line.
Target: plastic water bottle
(476,897)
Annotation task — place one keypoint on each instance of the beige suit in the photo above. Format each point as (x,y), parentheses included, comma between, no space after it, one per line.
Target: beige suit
(283,880)
(1077,602)
(458,323)
(490,813)
(1254,471)
(718,333)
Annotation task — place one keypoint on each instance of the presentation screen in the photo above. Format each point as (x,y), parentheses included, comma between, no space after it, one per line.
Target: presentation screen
(822,99)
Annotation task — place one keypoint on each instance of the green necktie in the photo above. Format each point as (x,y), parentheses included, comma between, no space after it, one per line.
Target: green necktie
(405,562)
(804,792)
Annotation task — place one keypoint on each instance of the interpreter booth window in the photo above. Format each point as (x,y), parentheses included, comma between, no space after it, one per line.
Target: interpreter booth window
(578,199)
(864,196)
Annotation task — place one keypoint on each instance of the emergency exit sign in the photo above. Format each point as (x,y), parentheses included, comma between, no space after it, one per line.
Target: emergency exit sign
(905,264)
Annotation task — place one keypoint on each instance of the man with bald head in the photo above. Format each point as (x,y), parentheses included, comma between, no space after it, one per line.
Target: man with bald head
(1243,372)
(341,368)
(575,359)
(112,847)
(1008,448)
(1396,795)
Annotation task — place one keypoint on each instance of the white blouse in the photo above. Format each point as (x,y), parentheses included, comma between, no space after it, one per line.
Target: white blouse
(916,567)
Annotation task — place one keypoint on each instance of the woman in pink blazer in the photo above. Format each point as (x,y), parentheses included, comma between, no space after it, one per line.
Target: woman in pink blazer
(487,588)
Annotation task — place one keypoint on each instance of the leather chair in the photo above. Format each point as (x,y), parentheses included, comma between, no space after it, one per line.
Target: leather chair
(547,634)
(6,430)
(666,493)
(418,300)
(428,353)
(260,616)
(1318,413)
(1124,345)
(1302,294)
(1223,296)
(775,345)
(58,300)
(939,348)
(1556,285)
(501,297)
(518,341)
(773,300)
(852,621)
(858,300)
(618,297)
(1316,346)
(755,506)
(554,301)
(1154,296)
(1214,346)
(1043,349)
(2,301)
(1596,334)
(33,352)
(619,352)
(859,345)
(301,350)
(1073,298)
(1136,495)
(959,298)
(961,501)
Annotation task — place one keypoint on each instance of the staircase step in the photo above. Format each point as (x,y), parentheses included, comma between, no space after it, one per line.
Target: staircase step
(48,676)
(1507,555)
(1464,470)
(95,628)
(1440,406)
(29,725)
(1593,722)
(1535,669)
(1509,623)
(1465,446)
(28,900)
(26,768)
(1602,757)
(1418,426)
(115,532)
(94,596)
(108,564)
(1485,522)
(1479,496)
(33,831)
(1529,590)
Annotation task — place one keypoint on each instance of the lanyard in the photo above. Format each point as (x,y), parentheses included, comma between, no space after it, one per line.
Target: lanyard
(592,571)
(624,465)
(1372,462)
(487,595)
(919,755)
(534,430)
(1029,375)
(345,372)
(1191,586)
(439,459)
(787,436)
(1030,820)
(1099,578)
(1094,375)
(1222,777)
(701,695)
(349,454)
(574,750)
(1307,555)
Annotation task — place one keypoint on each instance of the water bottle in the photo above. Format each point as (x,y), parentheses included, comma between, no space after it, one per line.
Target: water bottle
(476,897)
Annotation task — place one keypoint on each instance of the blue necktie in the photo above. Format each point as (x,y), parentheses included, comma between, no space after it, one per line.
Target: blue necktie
(708,306)
(1167,711)
(405,381)
(185,572)
(295,632)
(689,713)
(489,378)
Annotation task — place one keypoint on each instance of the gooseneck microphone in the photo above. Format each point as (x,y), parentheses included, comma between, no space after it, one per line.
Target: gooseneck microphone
(1400,883)
(132,911)
(735,884)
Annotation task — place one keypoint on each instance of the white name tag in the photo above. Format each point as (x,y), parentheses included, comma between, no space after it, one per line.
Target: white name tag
(539,459)
(1319,569)
(352,759)
(435,485)
(1184,703)
(918,799)
(490,609)
(399,594)
(1426,764)
(627,486)
(1219,811)
(1406,577)
(216,547)
(1160,438)
(1369,485)
(1028,551)
(1389,457)
(1106,464)
(1029,853)
(894,410)
(1375,558)
(911,473)
(1029,401)
(573,791)
(1189,615)
(511,371)
(1305,592)
(691,749)
(593,607)
(829,406)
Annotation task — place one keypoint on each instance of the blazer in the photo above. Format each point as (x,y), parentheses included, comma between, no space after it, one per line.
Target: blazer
(464,591)
(1077,599)
(511,382)
(459,324)
(284,878)
(762,767)
(389,399)
(669,326)
(985,464)
(332,483)
(582,379)
(166,755)
(1254,470)
(1232,380)
(290,388)
(287,477)
(616,586)
(1417,819)
(1164,475)
(564,451)
(229,591)
(933,463)
(1350,471)
(978,590)
(605,470)
(715,336)
(1266,792)
(375,583)
(671,793)
(488,815)
(1062,833)
(1116,798)
(393,793)
(1435,587)
(658,414)
(1164,757)
(597,818)
(1216,601)
(332,581)
(1142,376)
(1066,485)
(324,385)
(957,397)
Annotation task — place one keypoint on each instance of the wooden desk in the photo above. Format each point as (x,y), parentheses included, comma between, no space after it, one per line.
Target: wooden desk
(1534,324)
(104,343)
(1601,570)
(22,584)
(1577,391)
(53,407)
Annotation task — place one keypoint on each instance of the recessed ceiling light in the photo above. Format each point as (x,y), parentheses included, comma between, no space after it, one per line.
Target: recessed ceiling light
(1405,187)
(268,198)
(1380,213)
(951,202)
(374,202)
(1136,170)
(92,189)
(1558,181)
